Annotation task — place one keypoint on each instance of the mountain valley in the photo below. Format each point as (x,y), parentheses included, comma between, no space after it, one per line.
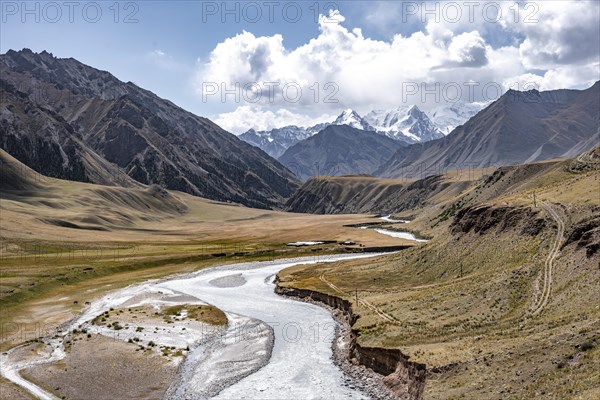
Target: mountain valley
(403,254)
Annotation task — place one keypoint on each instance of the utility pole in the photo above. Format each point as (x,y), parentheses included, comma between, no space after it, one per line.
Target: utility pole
(461,271)
(356,296)
(534,200)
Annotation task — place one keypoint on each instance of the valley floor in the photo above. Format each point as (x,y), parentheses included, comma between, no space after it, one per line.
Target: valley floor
(500,303)
(66,245)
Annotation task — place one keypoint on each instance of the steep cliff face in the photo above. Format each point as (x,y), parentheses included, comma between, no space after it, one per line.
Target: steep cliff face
(582,235)
(586,235)
(46,142)
(68,120)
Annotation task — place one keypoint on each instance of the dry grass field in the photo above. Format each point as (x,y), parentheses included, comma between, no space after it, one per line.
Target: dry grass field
(65,243)
(475,303)
(485,304)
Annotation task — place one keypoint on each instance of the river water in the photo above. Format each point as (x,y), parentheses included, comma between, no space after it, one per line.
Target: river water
(400,235)
(300,365)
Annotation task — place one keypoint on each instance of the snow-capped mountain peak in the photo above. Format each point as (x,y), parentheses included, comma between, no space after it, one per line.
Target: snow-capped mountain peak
(448,116)
(405,123)
(408,124)
(275,141)
(351,118)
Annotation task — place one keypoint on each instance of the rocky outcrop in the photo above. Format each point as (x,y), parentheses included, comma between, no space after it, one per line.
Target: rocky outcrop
(586,235)
(527,222)
(404,377)
(483,218)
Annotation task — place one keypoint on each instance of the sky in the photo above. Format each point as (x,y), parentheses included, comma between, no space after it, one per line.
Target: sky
(266,64)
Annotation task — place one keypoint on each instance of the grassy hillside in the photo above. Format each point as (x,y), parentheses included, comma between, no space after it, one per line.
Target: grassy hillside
(503,302)
(365,194)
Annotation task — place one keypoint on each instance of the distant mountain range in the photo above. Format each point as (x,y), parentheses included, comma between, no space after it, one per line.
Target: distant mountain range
(446,117)
(406,124)
(339,150)
(68,120)
(276,141)
(351,118)
(518,128)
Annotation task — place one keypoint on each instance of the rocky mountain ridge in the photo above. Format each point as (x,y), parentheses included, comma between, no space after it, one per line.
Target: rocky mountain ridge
(518,128)
(68,120)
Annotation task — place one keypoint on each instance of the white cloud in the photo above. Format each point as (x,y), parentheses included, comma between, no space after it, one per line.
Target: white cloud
(368,72)
(371,74)
(566,33)
(246,117)
(580,77)
(243,58)
(468,49)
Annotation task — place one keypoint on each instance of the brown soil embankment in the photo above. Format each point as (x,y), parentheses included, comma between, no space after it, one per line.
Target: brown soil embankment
(405,378)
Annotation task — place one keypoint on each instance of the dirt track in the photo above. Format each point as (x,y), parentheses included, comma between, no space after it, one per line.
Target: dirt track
(549,263)
(382,314)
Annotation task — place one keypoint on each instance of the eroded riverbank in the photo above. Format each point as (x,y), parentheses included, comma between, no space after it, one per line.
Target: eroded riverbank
(403,380)
(299,354)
